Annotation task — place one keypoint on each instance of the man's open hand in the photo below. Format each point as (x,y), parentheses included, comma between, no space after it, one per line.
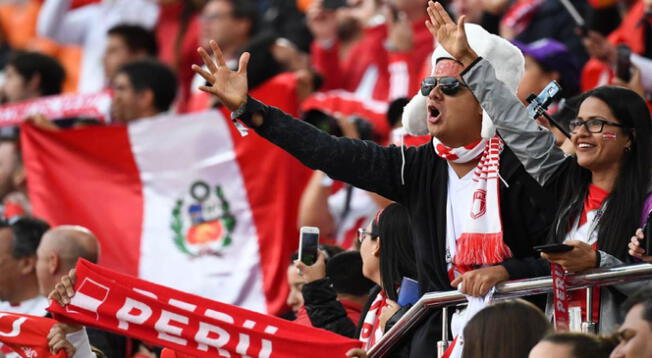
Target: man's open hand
(230,87)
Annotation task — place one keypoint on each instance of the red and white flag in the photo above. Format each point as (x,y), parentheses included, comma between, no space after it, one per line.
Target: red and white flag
(182,201)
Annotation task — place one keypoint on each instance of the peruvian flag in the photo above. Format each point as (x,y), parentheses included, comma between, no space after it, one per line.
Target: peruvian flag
(182,201)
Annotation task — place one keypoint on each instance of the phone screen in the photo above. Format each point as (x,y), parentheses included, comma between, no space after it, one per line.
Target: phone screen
(623,64)
(309,246)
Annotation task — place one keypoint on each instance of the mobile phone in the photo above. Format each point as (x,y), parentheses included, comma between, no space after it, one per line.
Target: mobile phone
(394,12)
(408,292)
(548,94)
(623,63)
(553,248)
(333,4)
(646,242)
(308,244)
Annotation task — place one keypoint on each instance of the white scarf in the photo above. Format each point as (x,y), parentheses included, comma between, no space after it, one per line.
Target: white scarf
(481,241)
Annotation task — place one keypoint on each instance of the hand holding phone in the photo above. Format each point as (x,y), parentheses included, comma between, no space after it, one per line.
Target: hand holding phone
(646,242)
(553,248)
(623,63)
(308,244)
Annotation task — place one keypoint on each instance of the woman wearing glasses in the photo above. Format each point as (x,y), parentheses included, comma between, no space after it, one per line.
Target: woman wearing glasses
(601,190)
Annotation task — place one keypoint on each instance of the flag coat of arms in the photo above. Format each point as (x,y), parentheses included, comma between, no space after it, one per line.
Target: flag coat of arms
(182,201)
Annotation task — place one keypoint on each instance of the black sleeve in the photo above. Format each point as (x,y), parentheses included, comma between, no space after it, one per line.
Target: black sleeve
(528,267)
(364,164)
(324,310)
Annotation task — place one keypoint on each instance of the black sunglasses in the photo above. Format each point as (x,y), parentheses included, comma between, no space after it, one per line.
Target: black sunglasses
(593,125)
(448,85)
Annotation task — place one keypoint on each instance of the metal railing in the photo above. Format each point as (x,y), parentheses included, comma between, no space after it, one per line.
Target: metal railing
(510,289)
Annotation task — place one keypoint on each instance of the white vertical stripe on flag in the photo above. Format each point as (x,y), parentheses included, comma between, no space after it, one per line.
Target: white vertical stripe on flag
(172,153)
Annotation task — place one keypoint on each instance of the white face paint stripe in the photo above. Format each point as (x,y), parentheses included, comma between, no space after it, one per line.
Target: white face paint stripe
(608,136)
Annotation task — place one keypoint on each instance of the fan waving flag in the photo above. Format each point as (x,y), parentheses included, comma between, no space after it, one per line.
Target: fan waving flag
(182,201)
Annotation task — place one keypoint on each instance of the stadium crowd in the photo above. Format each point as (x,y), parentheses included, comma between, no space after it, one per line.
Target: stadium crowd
(454,145)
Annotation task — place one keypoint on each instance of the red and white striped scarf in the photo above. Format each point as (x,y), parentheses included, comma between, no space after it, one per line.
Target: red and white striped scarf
(481,241)
(371,331)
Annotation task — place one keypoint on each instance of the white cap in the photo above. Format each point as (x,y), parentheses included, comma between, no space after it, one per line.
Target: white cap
(507,60)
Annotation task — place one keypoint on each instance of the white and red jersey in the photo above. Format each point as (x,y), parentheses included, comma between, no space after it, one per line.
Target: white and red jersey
(369,69)
(360,209)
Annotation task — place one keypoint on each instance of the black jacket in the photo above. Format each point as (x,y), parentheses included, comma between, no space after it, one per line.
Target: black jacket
(526,209)
(324,310)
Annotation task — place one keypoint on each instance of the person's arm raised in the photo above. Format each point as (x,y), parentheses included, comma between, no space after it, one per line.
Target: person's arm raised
(534,146)
(363,164)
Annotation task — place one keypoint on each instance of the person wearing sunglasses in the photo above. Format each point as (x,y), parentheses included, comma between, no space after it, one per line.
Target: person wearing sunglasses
(463,184)
(602,189)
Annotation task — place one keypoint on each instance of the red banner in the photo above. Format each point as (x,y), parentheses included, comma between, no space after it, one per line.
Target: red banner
(560,297)
(26,335)
(190,324)
(95,105)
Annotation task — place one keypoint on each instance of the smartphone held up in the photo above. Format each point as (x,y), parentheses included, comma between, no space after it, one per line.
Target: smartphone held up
(308,244)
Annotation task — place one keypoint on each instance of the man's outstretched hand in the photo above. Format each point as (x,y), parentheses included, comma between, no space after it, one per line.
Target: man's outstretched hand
(449,34)
(230,87)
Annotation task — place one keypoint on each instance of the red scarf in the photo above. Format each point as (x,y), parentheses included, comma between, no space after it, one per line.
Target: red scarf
(26,335)
(586,231)
(189,324)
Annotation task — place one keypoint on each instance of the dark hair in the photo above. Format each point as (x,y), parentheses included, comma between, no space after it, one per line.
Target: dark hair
(498,331)
(641,297)
(137,38)
(583,345)
(246,9)
(396,247)
(26,235)
(345,271)
(395,110)
(622,214)
(155,76)
(29,64)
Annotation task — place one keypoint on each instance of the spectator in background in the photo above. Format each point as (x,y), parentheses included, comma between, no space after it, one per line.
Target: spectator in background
(30,75)
(505,329)
(57,254)
(635,334)
(387,253)
(177,32)
(335,292)
(528,21)
(634,31)
(142,89)
(385,61)
(13,184)
(573,345)
(87,26)
(127,43)
(19,289)
(548,60)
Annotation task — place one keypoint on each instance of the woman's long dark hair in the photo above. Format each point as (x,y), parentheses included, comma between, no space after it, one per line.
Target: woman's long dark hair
(396,247)
(622,214)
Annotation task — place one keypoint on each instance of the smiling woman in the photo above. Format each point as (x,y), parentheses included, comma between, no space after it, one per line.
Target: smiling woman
(602,190)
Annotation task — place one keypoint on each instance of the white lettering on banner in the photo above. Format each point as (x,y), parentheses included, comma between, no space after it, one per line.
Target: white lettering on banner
(202,337)
(15,326)
(124,315)
(168,332)
(170,327)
